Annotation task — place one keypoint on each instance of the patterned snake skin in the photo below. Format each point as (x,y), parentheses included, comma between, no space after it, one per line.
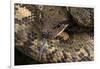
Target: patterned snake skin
(51,34)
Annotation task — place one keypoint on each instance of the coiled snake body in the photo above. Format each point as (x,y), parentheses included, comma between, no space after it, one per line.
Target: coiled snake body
(53,33)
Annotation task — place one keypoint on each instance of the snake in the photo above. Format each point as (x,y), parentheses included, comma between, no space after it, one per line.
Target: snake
(54,34)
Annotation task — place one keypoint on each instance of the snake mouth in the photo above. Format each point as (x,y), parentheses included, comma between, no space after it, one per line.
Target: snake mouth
(52,34)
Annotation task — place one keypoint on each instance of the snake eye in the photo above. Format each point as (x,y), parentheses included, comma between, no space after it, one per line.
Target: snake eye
(44,34)
(58,25)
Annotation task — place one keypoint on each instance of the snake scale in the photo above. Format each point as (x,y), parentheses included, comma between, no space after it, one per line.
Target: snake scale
(52,34)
